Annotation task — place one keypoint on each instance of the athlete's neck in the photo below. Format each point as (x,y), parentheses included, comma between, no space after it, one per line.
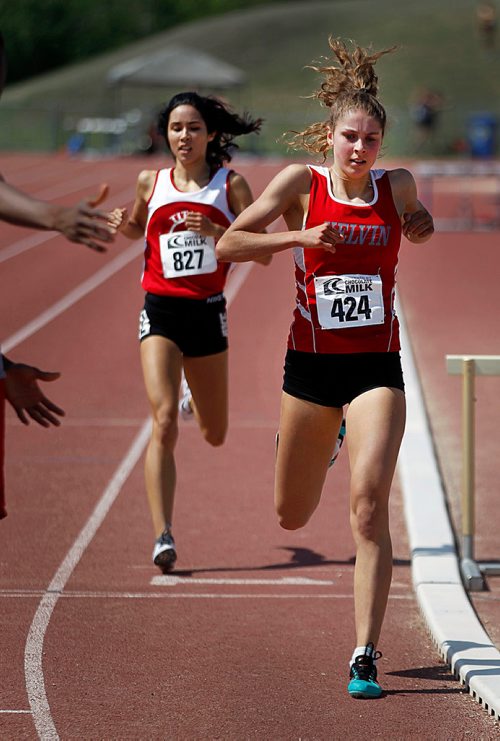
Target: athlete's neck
(350,189)
(191,178)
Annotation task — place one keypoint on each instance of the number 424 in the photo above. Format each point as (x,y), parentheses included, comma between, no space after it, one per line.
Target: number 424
(348,309)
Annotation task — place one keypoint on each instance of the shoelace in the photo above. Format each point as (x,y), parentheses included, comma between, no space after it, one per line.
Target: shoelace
(366,672)
(364,666)
(166,537)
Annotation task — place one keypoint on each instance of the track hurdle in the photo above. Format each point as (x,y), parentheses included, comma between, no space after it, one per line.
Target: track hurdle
(468,366)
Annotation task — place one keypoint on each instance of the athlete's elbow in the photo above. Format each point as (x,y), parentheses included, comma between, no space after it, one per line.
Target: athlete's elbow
(223,249)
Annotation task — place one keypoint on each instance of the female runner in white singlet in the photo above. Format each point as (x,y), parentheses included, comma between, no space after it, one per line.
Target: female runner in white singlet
(345,223)
(182,211)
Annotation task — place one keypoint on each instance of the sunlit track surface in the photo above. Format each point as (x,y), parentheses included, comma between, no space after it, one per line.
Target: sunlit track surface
(119,656)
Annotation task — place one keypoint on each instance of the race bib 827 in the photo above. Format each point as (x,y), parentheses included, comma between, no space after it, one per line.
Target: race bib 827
(187,253)
(349,300)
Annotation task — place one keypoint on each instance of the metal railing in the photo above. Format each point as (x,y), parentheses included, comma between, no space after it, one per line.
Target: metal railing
(468,366)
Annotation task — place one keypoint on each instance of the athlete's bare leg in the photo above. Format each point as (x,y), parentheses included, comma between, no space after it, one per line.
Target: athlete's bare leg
(307,437)
(375,424)
(207,378)
(162,366)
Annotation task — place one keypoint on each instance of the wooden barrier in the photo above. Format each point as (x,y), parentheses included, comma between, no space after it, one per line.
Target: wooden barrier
(469,366)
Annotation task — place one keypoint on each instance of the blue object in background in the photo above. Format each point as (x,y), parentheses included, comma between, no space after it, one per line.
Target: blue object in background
(482,134)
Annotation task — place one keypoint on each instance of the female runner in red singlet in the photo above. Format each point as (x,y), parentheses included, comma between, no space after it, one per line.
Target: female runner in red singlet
(182,211)
(345,223)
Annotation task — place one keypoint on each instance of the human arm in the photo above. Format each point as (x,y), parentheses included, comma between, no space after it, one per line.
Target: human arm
(81,223)
(286,195)
(134,226)
(24,394)
(239,197)
(416,221)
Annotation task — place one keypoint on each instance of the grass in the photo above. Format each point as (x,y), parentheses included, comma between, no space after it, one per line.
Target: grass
(439,48)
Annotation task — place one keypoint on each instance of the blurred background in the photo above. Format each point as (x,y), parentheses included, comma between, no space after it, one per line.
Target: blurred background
(90,77)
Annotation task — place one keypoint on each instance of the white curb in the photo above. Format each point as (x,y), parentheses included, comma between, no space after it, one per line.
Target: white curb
(451,619)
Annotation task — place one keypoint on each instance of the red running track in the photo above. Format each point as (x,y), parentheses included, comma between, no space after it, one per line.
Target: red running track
(252,638)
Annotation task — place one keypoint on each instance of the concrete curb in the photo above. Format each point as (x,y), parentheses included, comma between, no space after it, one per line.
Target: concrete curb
(451,619)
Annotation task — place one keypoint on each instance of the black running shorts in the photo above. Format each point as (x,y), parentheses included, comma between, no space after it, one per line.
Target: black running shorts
(335,380)
(197,326)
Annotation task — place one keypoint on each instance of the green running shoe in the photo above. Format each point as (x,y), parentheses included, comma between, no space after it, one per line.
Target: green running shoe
(338,444)
(363,676)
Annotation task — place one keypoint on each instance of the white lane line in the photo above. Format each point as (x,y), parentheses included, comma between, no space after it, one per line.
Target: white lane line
(22,245)
(33,656)
(168,580)
(73,296)
(18,712)
(33,668)
(236,278)
(69,595)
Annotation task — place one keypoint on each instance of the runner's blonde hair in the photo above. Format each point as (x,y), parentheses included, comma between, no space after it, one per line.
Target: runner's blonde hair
(350,83)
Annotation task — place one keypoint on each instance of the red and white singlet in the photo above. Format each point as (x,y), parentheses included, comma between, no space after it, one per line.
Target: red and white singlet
(179,262)
(345,300)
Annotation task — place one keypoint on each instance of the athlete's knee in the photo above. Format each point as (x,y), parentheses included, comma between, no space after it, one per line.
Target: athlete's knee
(215,436)
(291,519)
(369,519)
(165,427)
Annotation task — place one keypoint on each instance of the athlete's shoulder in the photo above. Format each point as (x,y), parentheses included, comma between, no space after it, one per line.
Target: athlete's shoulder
(400,178)
(145,183)
(296,177)
(235,179)
(147,177)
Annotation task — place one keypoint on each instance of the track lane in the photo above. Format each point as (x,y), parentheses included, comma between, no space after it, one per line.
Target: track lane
(269,663)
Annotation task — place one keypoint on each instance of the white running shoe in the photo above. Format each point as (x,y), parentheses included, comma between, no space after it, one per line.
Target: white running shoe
(185,402)
(164,553)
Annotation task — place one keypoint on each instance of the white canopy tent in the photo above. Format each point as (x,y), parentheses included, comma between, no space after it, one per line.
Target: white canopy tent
(176,66)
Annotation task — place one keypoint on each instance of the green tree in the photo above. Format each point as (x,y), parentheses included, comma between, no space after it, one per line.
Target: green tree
(41,35)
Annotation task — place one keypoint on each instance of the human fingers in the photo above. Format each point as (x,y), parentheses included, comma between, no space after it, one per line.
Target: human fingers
(418,224)
(328,237)
(45,413)
(93,245)
(21,415)
(116,219)
(101,196)
(46,375)
(43,417)
(194,220)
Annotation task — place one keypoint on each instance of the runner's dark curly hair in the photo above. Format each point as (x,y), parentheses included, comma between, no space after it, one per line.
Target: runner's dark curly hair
(218,118)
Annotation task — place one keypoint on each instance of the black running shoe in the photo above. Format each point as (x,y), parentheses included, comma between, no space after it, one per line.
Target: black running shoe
(363,675)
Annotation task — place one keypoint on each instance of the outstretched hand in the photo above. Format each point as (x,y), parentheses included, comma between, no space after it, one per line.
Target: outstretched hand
(82,223)
(24,394)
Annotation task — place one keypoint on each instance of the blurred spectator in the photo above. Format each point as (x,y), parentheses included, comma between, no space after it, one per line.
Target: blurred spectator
(76,144)
(425,111)
(486,14)
(152,141)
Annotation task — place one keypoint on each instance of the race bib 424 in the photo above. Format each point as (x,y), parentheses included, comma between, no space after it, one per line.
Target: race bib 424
(349,300)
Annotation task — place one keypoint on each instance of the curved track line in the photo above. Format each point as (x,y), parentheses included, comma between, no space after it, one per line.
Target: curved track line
(33,653)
